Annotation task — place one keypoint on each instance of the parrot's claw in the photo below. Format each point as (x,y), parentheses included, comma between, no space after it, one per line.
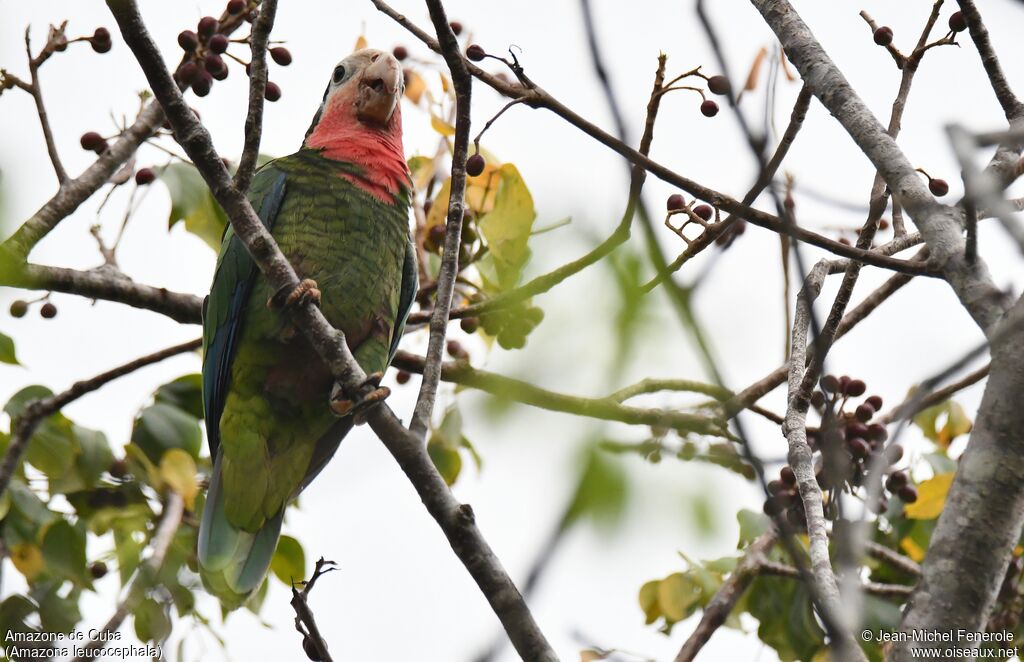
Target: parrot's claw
(305,292)
(374,394)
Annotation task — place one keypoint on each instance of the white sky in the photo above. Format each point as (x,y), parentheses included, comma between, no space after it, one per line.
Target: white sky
(401,593)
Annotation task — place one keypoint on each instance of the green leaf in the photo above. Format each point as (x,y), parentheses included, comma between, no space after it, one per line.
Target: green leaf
(752,525)
(7,350)
(678,596)
(192,202)
(152,622)
(445,458)
(128,550)
(94,455)
(16,405)
(178,470)
(649,601)
(27,516)
(64,551)
(600,492)
(161,427)
(57,614)
(14,614)
(506,229)
(787,622)
(954,422)
(185,393)
(289,561)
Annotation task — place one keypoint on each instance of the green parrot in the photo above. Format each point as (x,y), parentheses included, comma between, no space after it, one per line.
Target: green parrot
(339,210)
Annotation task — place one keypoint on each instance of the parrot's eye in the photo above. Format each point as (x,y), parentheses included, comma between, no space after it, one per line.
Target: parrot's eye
(339,73)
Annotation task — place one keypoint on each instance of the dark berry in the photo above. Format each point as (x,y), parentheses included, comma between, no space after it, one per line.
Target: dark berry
(883,35)
(188,40)
(118,468)
(436,234)
(214,63)
(93,142)
(475,165)
(957,22)
(718,85)
(896,481)
(207,26)
(400,53)
(875,401)
(818,399)
(709,108)
(855,388)
(48,311)
(877,432)
(787,476)
(830,383)
(236,7)
(203,83)
(476,52)
(938,187)
(218,43)
(865,412)
(273,91)
(19,308)
(775,486)
(704,211)
(98,570)
(100,40)
(310,649)
(675,202)
(907,494)
(455,350)
(456,27)
(856,429)
(880,506)
(187,73)
(403,377)
(281,55)
(469,324)
(858,447)
(145,176)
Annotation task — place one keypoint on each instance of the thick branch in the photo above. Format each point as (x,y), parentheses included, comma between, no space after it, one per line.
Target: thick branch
(26,423)
(455,519)
(462,82)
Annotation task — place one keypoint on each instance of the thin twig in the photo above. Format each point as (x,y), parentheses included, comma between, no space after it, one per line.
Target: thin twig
(37,95)
(912,405)
(717,610)
(34,413)
(170,520)
(462,83)
(896,560)
(305,623)
(258,39)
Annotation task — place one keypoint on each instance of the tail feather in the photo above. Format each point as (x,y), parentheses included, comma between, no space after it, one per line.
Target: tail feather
(233,562)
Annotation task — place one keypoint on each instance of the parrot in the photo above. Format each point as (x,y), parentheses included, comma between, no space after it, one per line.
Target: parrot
(339,210)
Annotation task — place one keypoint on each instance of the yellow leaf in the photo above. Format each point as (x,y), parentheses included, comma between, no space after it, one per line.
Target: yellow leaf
(931,497)
(422,169)
(913,550)
(676,594)
(957,424)
(591,655)
(438,213)
(649,601)
(28,559)
(178,470)
(360,43)
(442,127)
(446,85)
(415,86)
(506,227)
(482,190)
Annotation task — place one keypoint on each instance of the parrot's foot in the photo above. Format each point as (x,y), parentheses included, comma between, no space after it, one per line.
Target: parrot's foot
(373,393)
(305,292)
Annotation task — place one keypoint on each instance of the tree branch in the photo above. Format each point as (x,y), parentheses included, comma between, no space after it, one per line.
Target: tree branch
(462,82)
(258,39)
(36,91)
(1012,107)
(305,623)
(607,408)
(940,224)
(26,423)
(455,519)
(170,520)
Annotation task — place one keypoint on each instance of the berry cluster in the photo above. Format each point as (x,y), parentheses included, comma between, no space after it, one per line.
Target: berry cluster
(511,325)
(206,44)
(848,443)
(19,308)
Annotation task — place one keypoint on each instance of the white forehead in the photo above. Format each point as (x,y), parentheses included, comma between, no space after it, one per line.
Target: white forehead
(360,58)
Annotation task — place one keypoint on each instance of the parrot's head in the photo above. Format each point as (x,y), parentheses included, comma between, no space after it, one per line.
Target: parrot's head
(360,122)
(363,92)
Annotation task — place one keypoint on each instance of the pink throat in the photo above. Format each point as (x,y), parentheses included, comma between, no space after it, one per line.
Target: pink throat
(378,151)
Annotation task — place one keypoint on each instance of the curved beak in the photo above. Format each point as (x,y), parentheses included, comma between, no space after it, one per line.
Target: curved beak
(379,90)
